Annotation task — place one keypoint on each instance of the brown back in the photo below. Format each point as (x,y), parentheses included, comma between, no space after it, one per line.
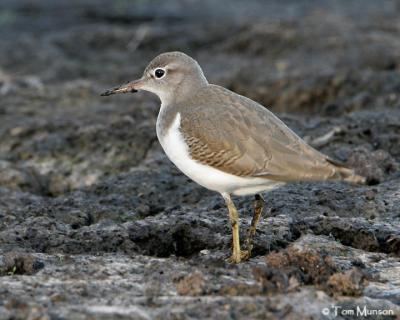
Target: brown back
(239,136)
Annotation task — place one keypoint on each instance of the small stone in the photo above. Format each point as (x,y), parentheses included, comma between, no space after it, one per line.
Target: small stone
(191,285)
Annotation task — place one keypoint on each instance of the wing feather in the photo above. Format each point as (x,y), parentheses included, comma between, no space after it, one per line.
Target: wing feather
(239,136)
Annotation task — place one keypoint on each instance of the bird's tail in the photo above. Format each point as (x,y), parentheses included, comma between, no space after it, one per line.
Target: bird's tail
(347,174)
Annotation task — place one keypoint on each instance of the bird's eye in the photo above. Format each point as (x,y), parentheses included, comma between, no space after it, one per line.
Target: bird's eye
(159,73)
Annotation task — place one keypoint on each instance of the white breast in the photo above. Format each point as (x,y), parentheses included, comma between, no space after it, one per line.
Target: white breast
(177,151)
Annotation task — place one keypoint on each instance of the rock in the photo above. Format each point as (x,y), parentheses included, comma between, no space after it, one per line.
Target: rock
(22,178)
(191,285)
(96,223)
(374,165)
(350,283)
(15,262)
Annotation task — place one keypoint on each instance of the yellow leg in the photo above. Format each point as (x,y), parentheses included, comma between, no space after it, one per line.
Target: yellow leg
(258,209)
(234,218)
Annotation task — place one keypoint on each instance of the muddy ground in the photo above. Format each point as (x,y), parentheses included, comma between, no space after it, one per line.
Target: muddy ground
(96,223)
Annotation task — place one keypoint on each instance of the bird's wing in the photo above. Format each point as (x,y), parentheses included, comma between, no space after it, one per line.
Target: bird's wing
(237,135)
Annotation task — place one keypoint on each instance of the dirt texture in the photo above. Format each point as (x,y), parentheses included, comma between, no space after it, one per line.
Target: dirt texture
(96,223)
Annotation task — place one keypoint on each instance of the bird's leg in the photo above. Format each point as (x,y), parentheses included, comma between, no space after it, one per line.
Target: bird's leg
(234,218)
(258,209)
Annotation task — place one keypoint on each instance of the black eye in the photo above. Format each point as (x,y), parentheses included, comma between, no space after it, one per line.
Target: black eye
(159,73)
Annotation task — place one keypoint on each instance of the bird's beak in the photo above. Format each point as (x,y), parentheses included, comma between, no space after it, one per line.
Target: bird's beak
(132,86)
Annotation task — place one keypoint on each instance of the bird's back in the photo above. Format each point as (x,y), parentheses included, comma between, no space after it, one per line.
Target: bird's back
(239,136)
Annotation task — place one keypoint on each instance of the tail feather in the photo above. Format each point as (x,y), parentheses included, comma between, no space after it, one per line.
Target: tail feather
(347,174)
(352,177)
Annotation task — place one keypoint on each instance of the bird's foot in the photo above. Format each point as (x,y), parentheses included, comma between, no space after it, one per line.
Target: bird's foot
(243,255)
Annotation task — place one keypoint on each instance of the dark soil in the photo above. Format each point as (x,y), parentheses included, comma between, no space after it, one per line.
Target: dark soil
(96,223)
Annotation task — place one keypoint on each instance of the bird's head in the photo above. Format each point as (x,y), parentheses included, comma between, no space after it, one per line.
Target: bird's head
(172,76)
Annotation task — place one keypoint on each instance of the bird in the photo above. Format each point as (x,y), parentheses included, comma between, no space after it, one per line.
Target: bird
(226,142)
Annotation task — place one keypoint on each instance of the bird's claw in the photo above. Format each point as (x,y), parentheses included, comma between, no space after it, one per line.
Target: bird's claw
(239,257)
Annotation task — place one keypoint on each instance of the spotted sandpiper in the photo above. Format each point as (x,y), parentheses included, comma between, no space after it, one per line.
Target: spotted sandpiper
(227,142)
